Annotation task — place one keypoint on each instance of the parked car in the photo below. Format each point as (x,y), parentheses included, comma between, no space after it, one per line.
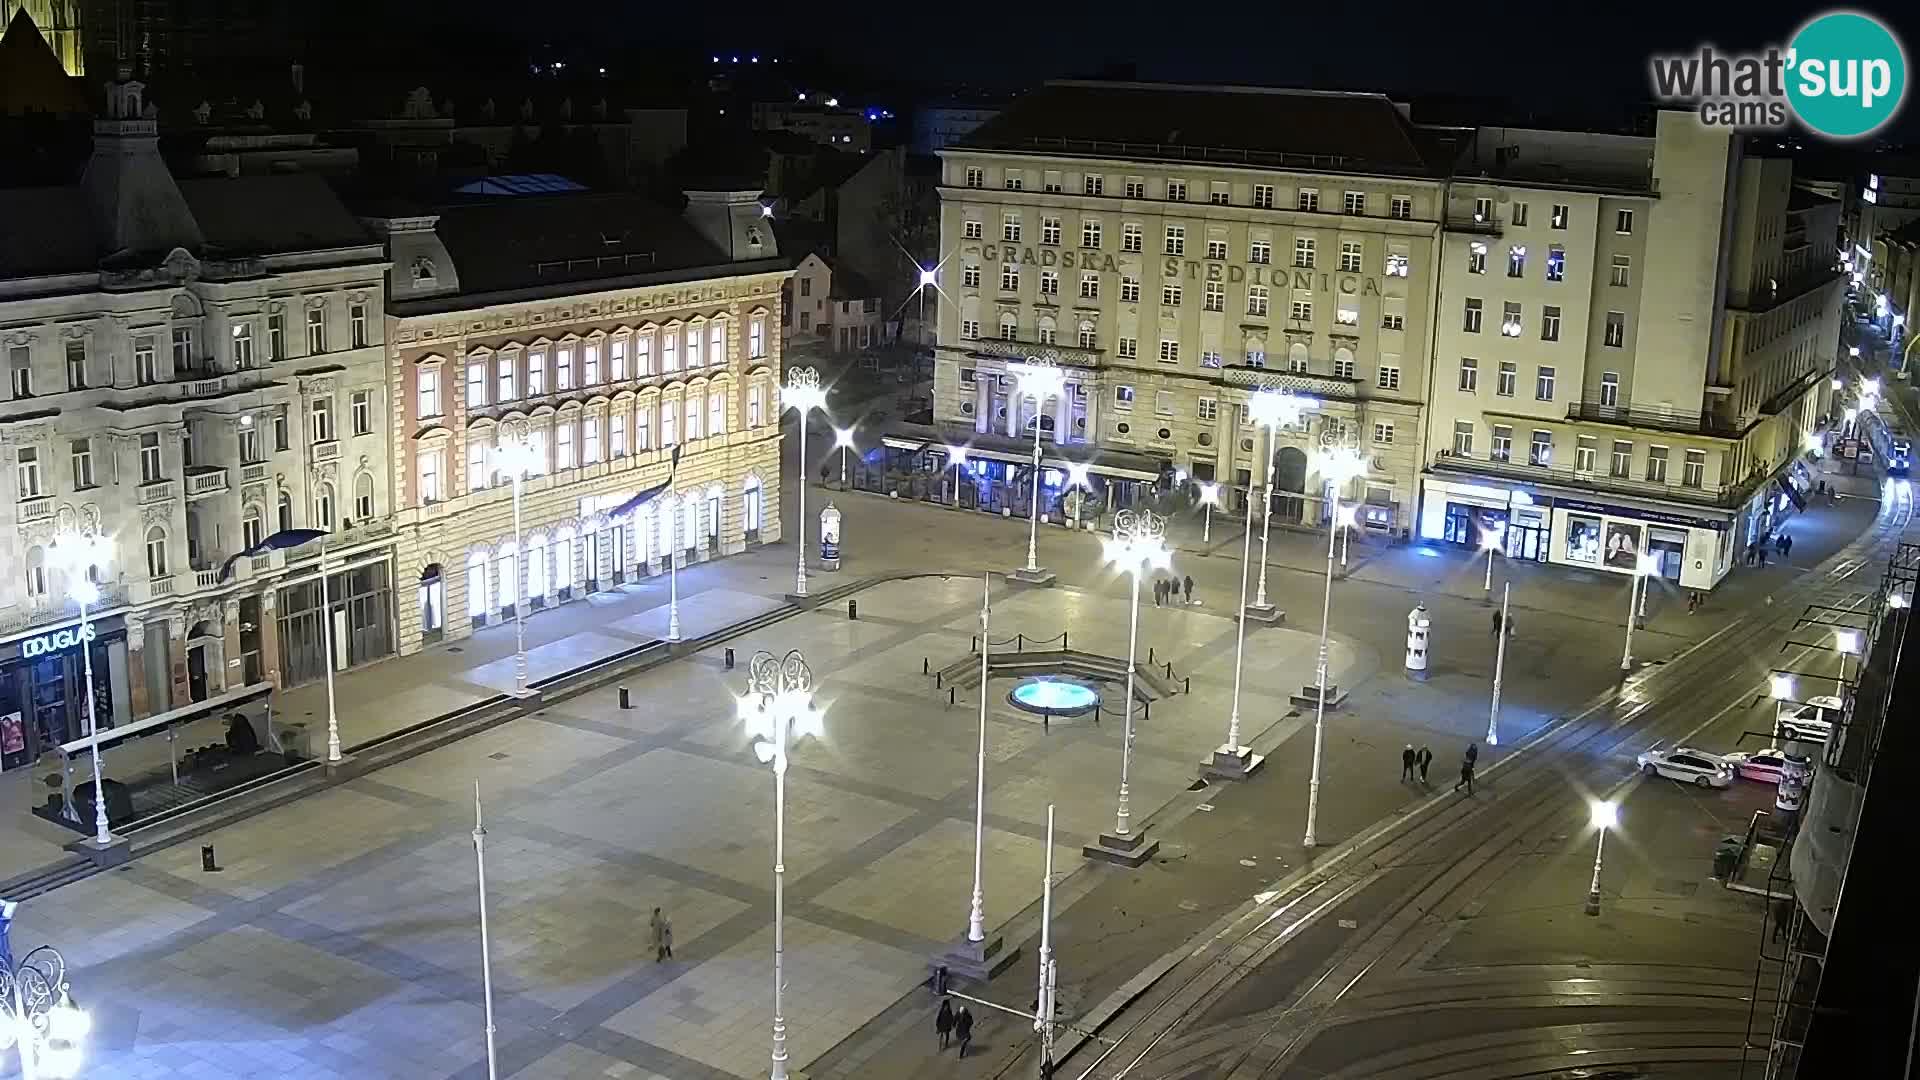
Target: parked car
(1766,766)
(1812,722)
(1686,764)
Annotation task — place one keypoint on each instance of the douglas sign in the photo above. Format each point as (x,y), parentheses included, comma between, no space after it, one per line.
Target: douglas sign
(56,641)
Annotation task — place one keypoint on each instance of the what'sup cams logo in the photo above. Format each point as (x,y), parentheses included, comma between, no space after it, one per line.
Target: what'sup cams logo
(1843,76)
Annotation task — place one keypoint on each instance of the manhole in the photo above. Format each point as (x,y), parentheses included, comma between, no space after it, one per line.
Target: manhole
(501,756)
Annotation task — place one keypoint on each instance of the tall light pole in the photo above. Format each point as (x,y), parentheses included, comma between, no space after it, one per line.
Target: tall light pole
(1233,760)
(486,946)
(1049,975)
(1038,379)
(778,706)
(1606,815)
(1077,480)
(1138,546)
(517,456)
(957,457)
(1499,663)
(1490,542)
(1644,565)
(672,506)
(976,911)
(843,441)
(804,394)
(79,556)
(1340,464)
(1273,410)
(1209,498)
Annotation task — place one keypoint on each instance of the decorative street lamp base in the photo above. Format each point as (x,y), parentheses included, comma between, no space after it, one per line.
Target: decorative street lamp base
(1309,697)
(528,693)
(1038,579)
(1265,613)
(1593,903)
(1131,851)
(345,760)
(976,960)
(1233,763)
(113,853)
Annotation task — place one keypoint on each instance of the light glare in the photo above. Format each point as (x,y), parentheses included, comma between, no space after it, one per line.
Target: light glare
(1606,814)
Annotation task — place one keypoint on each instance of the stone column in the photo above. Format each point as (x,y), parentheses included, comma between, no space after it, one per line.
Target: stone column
(178,682)
(270,635)
(1063,414)
(1015,402)
(982,403)
(231,677)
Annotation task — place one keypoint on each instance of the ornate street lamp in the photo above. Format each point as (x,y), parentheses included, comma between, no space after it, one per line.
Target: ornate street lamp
(1340,464)
(804,394)
(37,1014)
(1272,410)
(1138,546)
(516,456)
(80,555)
(1040,380)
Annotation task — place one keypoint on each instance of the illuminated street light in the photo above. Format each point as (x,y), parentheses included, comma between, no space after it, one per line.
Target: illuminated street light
(1780,687)
(1853,350)
(804,394)
(928,276)
(957,456)
(1644,566)
(1340,464)
(1838,384)
(1273,410)
(1847,643)
(1606,815)
(777,707)
(1896,600)
(1040,380)
(1209,498)
(81,557)
(1500,662)
(37,1013)
(1138,546)
(843,441)
(516,456)
(1232,759)
(1489,543)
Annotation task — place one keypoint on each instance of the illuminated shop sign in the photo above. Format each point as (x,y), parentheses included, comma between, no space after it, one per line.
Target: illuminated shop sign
(56,641)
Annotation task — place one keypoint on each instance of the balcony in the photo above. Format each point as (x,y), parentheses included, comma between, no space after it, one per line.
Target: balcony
(253,474)
(206,579)
(204,480)
(1466,221)
(160,586)
(39,508)
(1019,351)
(1566,476)
(155,491)
(328,450)
(204,384)
(1320,386)
(1652,418)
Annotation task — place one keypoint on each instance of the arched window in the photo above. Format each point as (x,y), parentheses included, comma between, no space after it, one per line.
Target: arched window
(1297,358)
(476,585)
(507,575)
(560,552)
(1256,352)
(714,496)
(1089,338)
(36,572)
(536,568)
(157,552)
(363,496)
(285,512)
(1009,327)
(323,506)
(253,525)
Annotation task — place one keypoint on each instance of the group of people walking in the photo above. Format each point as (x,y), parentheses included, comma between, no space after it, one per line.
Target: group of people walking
(1168,590)
(955,1026)
(1414,765)
(1757,552)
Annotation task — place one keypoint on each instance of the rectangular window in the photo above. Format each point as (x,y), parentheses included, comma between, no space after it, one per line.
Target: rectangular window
(28,472)
(76,365)
(1260,251)
(1050,181)
(536,373)
(1127,348)
(590,364)
(360,409)
(1517,214)
(282,429)
(1220,195)
(970,329)
(506,363)
(1257,300)
(1556,263)
(249,442)
(1345,315)
(969,277)
(1383,432)
(357,321)
(1463,438)
(1089,286)
(1483,209)
(242,351)
(1129,290)
(1616,329)
(617,358)
(1123,398)
(1401,207)
(757,337)
(1356,202)
(1211,359)
(1263,196)
(150,468)
(1510,319)
(1559,215)
(316,331)
(753,406)
(1469,375)
(1089,337)
(1502,446)
(1176,191)
(1176,240)
(1504,386)
(1216,296)
(1171,295)
(1543,383)
(1014,181)
(1308,200)
(1623,221)
(1517,261)
(1169,351)
(1163,402)
(643,356)
(696,335)
(1207,409)
(976,176)
(1130,237)
(1136,188)
(1009,277)
(1584,452)
(1216,249)
(182,349)
(1393,320)
(1090,234)
(590,440)
(1656,464)
(642,429)
(1342,367)
(562,446)
(1050,231)
(1549,323)
(1622,272)
(320,419)
(1297,362)
(146,364)
(669,356)
(1349,257)
(1476,257)
(1610,389)
(1093,185)
(476,384)
(1388,377)
(428,379)
(617,435)
(1694,470)
(971,230)
(1303,251)
(1541,452)
(1471,321)
(1622,459)
(1302,311)
(1049,283)
(476,465)
(1010,227)
(430,476)
(276,337)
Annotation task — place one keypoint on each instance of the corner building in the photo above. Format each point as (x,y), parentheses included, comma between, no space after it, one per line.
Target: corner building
(613,330)
(1635,343)
(1175,249)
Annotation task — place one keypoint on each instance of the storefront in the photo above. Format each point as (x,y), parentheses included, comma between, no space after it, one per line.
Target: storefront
(1465,514)
(361,599)
(1693,552)
(43,698)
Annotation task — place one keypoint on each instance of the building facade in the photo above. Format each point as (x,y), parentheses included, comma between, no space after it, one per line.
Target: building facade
(601,332)
(1177,249)
(1635,342)
(193,367)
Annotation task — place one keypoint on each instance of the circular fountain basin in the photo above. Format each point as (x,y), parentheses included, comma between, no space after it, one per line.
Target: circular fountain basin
(1054,697)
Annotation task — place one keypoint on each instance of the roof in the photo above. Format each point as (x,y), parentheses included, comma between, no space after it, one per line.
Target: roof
(531,241)
(48,231)
(271,214)
(1800,198)
(849,284)
(1306,129)
(31,78)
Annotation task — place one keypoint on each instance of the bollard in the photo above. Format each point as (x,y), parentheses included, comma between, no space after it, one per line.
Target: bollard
(853,609)
(926,665)
(1150,659)
(206,859)
(729,660)
(936,680)
(949,695)
(1186,685)
(1169,669)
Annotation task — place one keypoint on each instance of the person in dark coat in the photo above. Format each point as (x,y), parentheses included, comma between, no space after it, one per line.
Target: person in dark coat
(1496,623)
(1473,753)
(1466,776)
(1788,540)
(963,1028)
(943,1021)
(1408,759)
(1423,759)
(1189,584)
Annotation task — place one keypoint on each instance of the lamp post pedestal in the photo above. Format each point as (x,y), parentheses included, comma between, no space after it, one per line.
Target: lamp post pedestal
(1265,613)
(1131,851)
(1233,763)
(976,960)
(1039,577)
(115,851)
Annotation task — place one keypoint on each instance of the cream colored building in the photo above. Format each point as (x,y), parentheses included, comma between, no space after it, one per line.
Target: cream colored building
(613,330)
(1177,248)
(1635,337)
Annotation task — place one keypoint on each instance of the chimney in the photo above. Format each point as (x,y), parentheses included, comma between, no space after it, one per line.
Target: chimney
(735,222)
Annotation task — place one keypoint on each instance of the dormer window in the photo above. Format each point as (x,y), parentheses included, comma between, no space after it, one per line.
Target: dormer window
(423,271)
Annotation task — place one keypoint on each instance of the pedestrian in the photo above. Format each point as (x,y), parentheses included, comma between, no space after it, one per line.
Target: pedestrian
(943,1021)
(1473,753)
(1158,591)
(1762,555)
(1189,584)
(1789,551)
(963,1028)
(1408,759)
(1780,544)
(660,933)
(1496,623)
(1424,758)
(1466,776)
(1509,625)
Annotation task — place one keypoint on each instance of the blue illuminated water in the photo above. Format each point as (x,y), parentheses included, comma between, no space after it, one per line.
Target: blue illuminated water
(1055,696)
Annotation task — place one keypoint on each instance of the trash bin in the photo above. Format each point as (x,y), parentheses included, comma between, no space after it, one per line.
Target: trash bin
(1726,856)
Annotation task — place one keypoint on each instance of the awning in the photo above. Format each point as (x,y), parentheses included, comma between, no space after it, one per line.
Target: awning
(1792,493)
(1116,464)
